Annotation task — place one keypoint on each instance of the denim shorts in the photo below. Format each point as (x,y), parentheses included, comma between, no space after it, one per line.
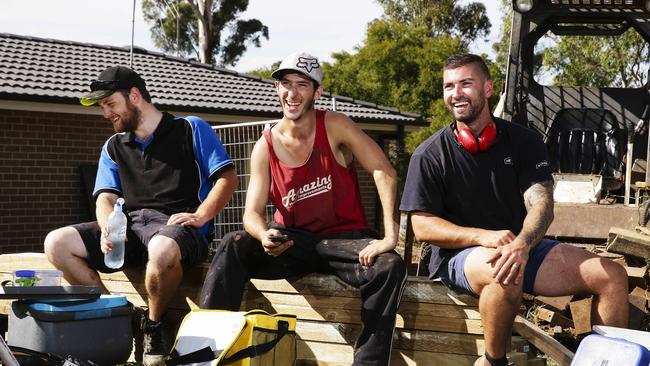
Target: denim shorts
(143,225)
(452,273)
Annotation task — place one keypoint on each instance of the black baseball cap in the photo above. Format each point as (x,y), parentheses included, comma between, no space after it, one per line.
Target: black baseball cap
(111,80)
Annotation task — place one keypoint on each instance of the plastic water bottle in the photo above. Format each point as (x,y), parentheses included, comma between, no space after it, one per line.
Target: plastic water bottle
(116,235)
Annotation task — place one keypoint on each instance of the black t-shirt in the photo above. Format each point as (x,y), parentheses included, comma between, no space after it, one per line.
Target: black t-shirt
(484,190)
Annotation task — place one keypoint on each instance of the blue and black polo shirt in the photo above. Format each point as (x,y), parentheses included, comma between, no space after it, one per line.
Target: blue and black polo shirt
(172,171)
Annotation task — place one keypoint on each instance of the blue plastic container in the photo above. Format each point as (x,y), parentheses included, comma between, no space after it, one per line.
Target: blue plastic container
(596,349)
(97,330)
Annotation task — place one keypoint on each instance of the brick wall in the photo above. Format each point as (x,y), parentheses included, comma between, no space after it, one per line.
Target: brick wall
(40,185)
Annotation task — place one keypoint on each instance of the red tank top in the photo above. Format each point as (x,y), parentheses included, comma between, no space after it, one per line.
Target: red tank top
(320,196)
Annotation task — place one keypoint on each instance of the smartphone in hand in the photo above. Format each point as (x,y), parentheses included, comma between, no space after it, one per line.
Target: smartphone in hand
(279,239)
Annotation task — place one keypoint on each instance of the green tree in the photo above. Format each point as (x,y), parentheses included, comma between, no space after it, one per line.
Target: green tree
(441,17)
(400,63)
(598,60)
(265,72)
(209,29)
(398,66)
(502,47)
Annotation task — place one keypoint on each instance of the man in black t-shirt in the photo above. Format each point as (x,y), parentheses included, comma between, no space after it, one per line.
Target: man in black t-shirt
(481,190)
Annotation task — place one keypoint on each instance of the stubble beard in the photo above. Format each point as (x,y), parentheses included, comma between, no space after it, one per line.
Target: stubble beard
(129,120)
(474,109)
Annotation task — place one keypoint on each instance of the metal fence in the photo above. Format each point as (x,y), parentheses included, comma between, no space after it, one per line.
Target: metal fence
(238,140)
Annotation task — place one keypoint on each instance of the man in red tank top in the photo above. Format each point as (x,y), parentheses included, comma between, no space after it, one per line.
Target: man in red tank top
(305,166)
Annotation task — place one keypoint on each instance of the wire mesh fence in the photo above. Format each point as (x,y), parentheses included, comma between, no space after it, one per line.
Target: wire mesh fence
(238,140)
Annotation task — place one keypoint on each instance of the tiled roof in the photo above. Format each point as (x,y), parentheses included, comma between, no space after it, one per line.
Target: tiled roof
(48,70)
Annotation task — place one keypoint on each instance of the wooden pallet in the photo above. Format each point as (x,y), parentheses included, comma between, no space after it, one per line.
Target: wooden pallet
(434,325)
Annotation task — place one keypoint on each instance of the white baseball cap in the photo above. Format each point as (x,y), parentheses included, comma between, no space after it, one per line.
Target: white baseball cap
(303,63)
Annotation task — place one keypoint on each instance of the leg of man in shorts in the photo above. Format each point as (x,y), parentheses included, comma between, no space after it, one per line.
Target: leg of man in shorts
(553,269)
(165,250)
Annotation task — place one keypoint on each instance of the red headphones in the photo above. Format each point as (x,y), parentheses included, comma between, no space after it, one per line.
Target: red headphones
(473,144)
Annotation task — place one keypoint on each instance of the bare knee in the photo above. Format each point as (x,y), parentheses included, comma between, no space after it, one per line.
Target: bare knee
(614,279)
(57,243)
(164,253)
(480,276)
(478,272)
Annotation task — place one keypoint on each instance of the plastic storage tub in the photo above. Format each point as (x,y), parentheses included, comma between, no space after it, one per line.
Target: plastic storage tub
(41,277)
(600,350)
(97,330)
(48,277)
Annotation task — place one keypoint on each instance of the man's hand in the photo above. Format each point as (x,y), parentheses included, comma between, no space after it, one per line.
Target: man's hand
(495,238)
(187,219)
(368,254)
(274,248)
(105,244)
(509,262)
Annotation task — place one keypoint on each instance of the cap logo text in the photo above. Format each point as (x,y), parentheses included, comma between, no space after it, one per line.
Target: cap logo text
(307,63)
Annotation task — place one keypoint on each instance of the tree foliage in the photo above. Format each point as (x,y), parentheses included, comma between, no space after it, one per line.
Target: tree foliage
(265,72)
(441,17)
(598,60)
(398,66)
(208,29)
(502,46)
(401,60)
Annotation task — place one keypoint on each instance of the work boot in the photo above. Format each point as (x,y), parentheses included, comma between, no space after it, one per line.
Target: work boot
(153,343)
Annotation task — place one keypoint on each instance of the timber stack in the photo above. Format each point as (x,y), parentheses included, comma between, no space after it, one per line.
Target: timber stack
(435,326)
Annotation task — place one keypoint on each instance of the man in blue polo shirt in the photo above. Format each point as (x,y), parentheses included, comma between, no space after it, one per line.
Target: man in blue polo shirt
(174,176)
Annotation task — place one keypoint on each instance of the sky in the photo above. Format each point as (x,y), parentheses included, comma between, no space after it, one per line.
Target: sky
(319,27)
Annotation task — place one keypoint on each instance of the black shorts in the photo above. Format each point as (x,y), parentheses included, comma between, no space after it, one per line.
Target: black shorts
(142,226)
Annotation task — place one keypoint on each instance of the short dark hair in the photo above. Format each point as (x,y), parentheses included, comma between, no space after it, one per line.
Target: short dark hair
(462,59)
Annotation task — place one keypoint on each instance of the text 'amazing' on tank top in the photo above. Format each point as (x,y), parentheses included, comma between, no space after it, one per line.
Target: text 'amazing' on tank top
(320,196)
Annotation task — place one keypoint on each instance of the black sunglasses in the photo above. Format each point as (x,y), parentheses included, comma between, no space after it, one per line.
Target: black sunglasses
(104,85)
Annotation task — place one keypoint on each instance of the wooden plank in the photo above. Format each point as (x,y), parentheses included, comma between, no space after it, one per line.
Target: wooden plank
(326,354)
(636,276)
(255,299)
(552,317)
(439,342)
(407,321)
(543,341)
(581,315)
(420,289)
(131,281)
(628,242)
(418,358)
(417,289)
(641,292)
(518,358)
(537,361)
(340,333)
(637,311)
(557,303)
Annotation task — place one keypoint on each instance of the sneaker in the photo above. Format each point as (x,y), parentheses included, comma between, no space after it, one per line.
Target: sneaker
(153,343)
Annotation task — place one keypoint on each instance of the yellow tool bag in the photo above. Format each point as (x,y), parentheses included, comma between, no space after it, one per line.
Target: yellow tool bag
(219,337)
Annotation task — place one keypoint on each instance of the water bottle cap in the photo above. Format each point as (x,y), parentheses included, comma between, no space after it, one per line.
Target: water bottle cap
(118,204)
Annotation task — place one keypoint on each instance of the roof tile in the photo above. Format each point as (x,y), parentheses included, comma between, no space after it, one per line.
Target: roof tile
(61,71)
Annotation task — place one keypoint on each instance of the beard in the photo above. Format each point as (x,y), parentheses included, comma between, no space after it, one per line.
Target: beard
(473,110)
(129,120)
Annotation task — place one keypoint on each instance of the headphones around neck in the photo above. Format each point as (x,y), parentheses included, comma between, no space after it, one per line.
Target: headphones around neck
(483,142)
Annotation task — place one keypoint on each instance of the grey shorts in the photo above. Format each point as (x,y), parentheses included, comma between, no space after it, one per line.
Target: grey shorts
(452,268)
(142,226)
